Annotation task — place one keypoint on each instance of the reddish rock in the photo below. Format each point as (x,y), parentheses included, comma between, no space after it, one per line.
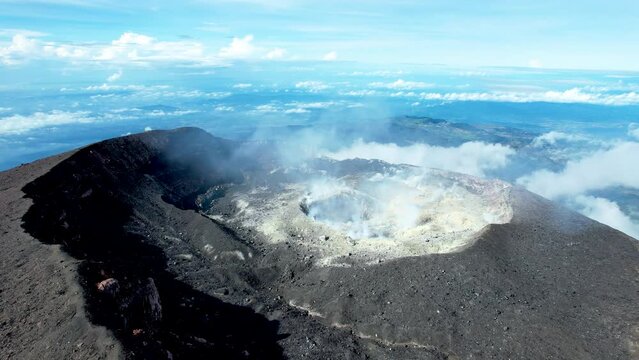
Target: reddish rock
(109,287)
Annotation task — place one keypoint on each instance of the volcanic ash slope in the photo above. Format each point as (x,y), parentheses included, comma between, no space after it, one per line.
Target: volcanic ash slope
(443,266)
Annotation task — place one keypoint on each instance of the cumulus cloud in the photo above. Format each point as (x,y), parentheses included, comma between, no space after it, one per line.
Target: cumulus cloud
(552,137)
(402,85)
(139,48)
(266,108)
(115,76)
(313,105)
(18,124)
(275,54)
(296,111)
(474,158)
(575,95)
(633,130)
(240,48)
(130,48)
(358,93)
(116,92)
(224,108)
(242,86)
(331,56)
(606,212)
(20,48)
(312,86)
(600,170)
(297,107)
(129,87)
(129,38)
(162,113)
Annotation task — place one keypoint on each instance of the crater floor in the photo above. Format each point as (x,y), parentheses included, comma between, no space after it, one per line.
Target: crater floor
(366,214)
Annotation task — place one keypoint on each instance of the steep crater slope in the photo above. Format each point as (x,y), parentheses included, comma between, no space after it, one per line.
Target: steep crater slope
(169,282)
(98,204)
(542,283)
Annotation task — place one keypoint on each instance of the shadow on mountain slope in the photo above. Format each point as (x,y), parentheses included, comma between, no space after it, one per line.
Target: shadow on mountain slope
(86,202)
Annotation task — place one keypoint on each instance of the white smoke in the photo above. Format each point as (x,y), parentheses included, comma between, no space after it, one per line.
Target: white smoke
(607,212)
(405,204)
(600,170)
(379,206)
(611,167)
(473,158)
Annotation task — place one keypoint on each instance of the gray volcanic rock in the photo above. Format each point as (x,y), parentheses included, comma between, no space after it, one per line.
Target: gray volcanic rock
(42,307)
(549,283)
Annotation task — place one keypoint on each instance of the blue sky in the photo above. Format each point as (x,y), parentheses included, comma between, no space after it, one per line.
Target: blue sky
(570,34)
(566,73)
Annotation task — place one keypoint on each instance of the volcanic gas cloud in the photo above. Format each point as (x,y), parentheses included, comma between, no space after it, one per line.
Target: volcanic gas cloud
(354,211)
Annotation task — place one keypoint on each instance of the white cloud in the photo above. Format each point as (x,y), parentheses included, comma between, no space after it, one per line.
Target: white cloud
(148,128)
(129,48)
(606,212)
(115,76)
(603,169)
(296,111)
(275,54)
(474,158)
(267,108)
(331,56)
(141,49)
(129,38)
(242,86)
(575,95)
(131,87)
(162,113)
(402,85)
(240,48)
(224,108)
(358,93)
(313,105)
(18,124)
(144,92)
(5,109)
(312,86)
(633,130)
(20,48)
(552,137)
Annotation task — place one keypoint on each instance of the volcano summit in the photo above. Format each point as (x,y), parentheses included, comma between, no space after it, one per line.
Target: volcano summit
(178,244)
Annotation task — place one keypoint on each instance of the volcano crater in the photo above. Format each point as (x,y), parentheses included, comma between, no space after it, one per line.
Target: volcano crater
(344,214)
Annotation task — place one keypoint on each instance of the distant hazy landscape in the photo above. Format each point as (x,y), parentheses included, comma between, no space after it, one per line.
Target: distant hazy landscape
(567,135)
